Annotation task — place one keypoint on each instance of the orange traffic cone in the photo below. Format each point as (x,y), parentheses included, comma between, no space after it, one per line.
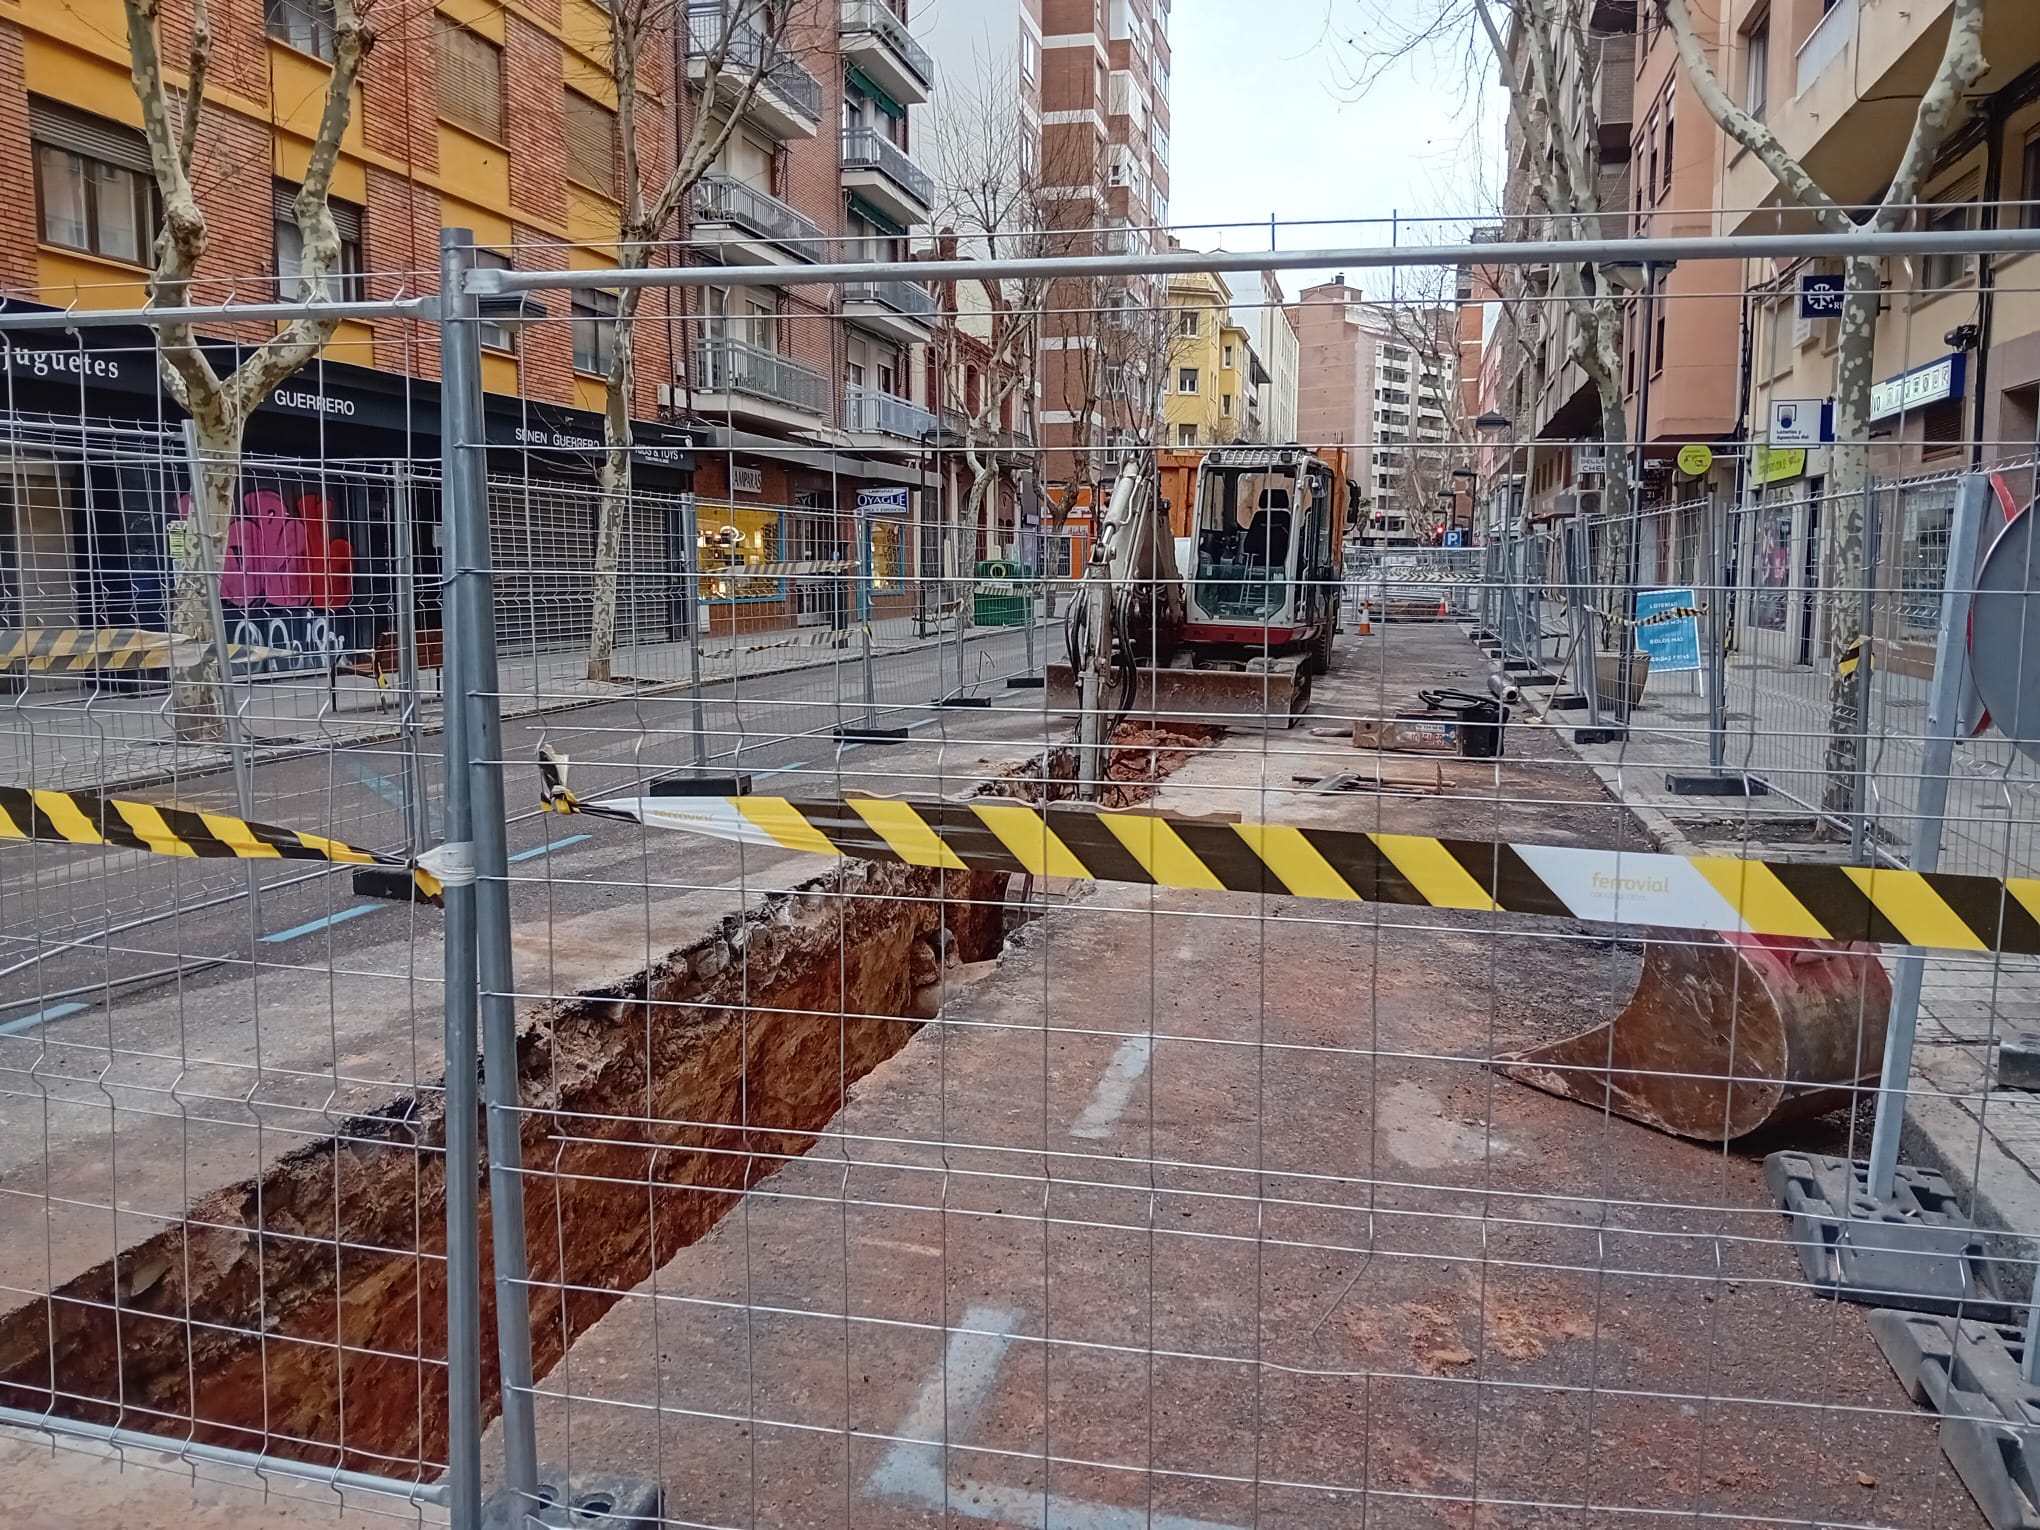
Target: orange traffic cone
(1443,613)
(1366,628)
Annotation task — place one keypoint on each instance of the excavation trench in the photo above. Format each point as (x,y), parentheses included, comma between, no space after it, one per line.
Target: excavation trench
(304,1313)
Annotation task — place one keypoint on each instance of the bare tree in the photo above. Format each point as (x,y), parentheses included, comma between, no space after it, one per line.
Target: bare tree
(991,196)
(739,44)
(173,119)
(1962,64)
(1121,346)
(1558,195)
(1423,319)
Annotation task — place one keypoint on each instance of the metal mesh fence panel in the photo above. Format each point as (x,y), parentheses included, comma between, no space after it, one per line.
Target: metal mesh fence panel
(1056,972)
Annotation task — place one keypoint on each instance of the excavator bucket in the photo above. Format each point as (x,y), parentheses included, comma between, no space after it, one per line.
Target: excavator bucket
(1727,1033)
(1272,694)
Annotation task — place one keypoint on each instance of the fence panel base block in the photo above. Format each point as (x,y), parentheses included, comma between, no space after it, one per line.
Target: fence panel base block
(1918,1251)
(1970,1373)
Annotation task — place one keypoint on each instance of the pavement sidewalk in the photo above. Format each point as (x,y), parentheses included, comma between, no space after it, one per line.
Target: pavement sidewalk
(76,738)
(1982,1136)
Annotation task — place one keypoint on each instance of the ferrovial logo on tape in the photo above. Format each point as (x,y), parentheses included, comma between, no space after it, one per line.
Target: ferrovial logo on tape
(1630,887)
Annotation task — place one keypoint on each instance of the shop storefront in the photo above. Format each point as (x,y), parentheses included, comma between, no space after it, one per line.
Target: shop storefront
(338,505)
(820,541)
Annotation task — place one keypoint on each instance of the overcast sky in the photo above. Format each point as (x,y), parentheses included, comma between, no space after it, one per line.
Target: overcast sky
(1265,118)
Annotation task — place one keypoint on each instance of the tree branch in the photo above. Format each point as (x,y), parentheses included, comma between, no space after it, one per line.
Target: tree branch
(182,240)
(1746,130)
(1962,65)
(303,338)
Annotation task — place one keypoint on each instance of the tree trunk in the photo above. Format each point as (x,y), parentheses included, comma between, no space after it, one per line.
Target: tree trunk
(1846,518)
(613,487)
(199,667)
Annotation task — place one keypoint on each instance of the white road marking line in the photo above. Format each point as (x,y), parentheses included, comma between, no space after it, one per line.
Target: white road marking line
(1115,1089)
(943,1412)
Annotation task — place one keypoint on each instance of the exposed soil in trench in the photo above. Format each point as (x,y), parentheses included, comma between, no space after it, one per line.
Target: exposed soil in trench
(304,1312)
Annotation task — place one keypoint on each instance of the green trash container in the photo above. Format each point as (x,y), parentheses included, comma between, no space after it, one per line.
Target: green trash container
(999,598)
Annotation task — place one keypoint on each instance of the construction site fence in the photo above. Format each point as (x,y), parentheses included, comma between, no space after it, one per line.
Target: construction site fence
(783,1071)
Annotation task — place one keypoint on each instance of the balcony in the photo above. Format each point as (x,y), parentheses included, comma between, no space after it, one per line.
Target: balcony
(745,381)
(878,42)
(881,172)
(1118,237)
(899,310)
(1615,90)
(871,412)
(1824,44)
(788,103)
(748,227)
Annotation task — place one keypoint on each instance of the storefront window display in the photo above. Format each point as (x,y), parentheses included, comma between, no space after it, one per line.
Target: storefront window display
(888,557)
(734,539)
(1771,568)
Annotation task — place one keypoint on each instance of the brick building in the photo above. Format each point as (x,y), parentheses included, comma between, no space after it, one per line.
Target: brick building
(797,414)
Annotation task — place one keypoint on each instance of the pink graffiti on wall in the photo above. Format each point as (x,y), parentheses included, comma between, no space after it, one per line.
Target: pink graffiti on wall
(284,555)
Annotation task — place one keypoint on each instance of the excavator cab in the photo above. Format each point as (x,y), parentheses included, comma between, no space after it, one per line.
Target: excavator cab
(1263,532)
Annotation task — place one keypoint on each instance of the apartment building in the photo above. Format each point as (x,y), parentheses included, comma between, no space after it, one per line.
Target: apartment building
(1105,166)
(1275,345)
(1213,374)
(817,406)
(1958,339)
(1384,381)
(1686,326)
(796,413)
(1543,390)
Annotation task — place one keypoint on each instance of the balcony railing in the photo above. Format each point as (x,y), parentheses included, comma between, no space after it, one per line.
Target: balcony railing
(915,302)
(747,45)
(718,199)
(868,409)
(1824,44)
(730,366)
(866,148)
(876,17)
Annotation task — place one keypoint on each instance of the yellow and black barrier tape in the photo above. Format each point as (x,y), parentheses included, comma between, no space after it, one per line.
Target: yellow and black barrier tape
(1776,898)
(1852,656)
(63,650)
(86,818)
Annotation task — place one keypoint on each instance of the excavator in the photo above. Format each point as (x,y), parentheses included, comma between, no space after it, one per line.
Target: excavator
(1237,636)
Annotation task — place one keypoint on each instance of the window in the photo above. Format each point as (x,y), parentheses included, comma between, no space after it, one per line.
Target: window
(1757,67)
(307,25)
(492,337)
(94,188)
(470,79)
(591,143)
(1030,55)
(1186,379)
(1665,186)
(1225,403)
(1938,272)
(1186,435)
(1228,356)
(1942,428)
(344,283)
(1186,323)
(2029,183)
(594,329)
